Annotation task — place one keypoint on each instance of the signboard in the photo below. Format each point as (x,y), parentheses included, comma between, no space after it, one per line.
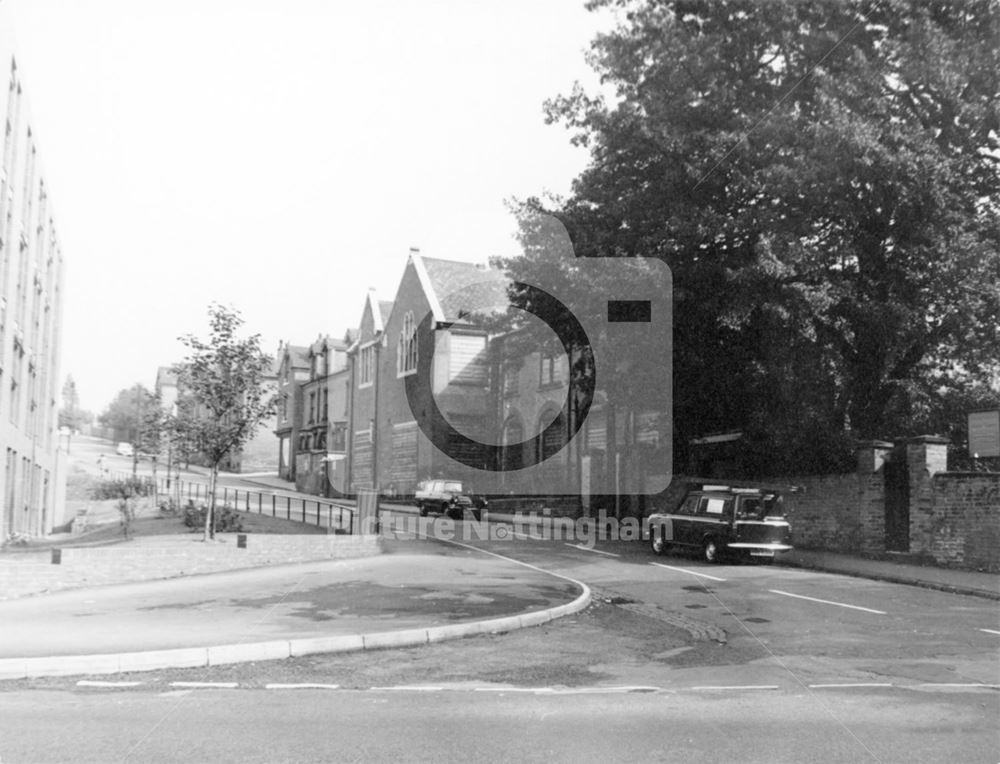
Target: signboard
(984,433)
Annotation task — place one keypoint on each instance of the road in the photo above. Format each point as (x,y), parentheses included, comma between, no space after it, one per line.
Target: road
(336,726)
(676,660)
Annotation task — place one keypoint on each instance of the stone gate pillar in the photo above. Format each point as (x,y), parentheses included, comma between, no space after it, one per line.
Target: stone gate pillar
(871,456)
(926,455)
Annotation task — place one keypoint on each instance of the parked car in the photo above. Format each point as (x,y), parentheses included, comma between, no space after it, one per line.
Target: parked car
(448,497)
(719,520)
(125,449)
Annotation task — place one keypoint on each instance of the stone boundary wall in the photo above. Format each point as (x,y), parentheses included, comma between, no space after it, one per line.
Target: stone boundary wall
(962,527)
(151,560)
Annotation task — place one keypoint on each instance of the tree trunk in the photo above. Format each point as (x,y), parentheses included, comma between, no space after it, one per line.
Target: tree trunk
(156,487)
(210,512)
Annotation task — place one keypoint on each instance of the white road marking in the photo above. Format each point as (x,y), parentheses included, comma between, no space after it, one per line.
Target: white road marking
(827,602)
(990,631)
(219,685)
(957,684)
(96,683)
(589,549)
(685,570)
(409,688)
(302,686)
(738,687)
(851,684)
(174,693)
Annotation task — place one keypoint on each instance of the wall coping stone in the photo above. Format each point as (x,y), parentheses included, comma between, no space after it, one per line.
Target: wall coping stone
(928,439)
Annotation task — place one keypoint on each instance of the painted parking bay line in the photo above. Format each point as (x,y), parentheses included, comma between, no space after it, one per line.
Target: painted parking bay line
(827,602)
(990,631)
(685,570)
(590,549)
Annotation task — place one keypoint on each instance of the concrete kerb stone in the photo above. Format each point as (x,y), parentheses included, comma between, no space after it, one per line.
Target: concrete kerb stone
(314,645)
(248,652)
(151,660)
(405,638)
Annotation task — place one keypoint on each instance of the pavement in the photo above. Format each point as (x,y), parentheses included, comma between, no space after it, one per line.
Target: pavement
(402,598)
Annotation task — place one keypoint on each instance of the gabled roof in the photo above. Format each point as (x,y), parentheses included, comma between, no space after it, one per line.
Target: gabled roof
(455,289)
(298,356)
(326,342)
(384,309)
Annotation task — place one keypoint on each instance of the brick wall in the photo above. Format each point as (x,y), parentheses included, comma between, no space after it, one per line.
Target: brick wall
(962,526)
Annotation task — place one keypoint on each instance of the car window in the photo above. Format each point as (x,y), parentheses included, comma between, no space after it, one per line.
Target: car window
(687,506)
(751,508)
(452,486)
(712,505)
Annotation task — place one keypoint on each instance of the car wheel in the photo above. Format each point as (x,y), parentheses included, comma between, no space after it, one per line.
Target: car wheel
(657,542)
(422,508)
(710,552)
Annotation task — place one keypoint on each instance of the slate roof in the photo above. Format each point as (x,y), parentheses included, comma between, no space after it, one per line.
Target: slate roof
(463,288)
(298,356)
(384,309)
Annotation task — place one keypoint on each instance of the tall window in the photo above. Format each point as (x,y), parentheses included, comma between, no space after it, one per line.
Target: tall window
(511,374)
(548,373)
(366,367)
(312,407)
(406,350)
(326,404)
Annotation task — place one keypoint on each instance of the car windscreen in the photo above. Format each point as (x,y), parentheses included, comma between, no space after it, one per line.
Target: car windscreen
(453,487)
(761,507)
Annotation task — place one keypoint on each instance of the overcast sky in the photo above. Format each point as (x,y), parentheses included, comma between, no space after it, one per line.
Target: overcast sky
(280,156)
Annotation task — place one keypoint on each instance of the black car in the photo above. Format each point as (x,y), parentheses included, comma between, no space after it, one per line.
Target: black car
(448,497)
(719,520)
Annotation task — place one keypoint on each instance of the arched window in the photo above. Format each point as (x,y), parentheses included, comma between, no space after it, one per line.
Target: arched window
(406,349)
(552,437)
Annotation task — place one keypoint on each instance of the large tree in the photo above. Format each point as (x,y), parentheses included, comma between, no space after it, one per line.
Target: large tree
(125,414)
(822,178)
(222,379)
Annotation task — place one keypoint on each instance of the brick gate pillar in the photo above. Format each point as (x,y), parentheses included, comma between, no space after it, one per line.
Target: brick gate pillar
(871,456)
(925,456)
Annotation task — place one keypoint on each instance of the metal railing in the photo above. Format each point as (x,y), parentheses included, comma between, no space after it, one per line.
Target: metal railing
(320,512)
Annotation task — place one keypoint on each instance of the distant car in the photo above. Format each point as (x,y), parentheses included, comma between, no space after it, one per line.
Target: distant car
(125,449)
(448,497)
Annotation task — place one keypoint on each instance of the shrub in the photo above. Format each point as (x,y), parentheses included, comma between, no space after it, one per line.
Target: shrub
(127,488)
(227,519)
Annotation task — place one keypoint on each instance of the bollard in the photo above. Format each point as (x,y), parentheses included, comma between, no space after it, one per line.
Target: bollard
(57,556)
(241,541)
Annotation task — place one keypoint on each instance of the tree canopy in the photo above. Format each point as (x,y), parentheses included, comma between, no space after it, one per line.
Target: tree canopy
(822,179)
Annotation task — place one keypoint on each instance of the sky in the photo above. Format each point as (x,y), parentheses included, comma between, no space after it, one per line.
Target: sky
(281,156)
